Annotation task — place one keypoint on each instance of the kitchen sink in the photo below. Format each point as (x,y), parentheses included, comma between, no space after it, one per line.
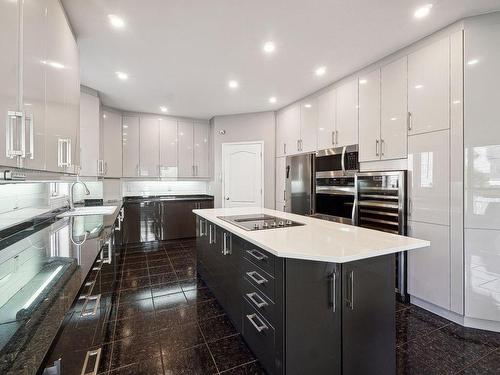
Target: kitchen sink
(94,210)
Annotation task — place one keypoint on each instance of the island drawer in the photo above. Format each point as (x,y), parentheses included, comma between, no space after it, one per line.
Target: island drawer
(258,300)
(260,257)
(260,279)
(259,334)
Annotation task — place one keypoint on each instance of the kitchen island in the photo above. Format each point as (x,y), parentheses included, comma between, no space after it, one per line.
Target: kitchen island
(308,296)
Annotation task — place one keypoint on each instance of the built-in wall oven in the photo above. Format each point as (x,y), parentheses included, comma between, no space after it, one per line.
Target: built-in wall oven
(335,188)
(381,205)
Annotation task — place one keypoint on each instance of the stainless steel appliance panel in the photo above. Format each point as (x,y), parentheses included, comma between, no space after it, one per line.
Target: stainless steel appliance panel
(299,184)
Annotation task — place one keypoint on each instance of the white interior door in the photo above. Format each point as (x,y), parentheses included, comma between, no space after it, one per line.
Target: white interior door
(242,184)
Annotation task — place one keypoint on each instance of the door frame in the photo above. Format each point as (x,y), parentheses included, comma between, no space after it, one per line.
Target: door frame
(223,176)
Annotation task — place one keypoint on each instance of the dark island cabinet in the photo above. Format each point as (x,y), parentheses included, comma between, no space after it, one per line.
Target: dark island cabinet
(148,220)
(302,316)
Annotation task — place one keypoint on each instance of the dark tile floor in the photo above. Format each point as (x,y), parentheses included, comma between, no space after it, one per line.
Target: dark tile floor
(165,321)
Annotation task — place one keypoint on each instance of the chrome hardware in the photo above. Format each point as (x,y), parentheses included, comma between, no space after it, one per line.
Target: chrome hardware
(333,138)
(284,148)
(226,250)
(259,327)
(336,137)
(260,280)
(31,152)
(410,207)
(350,291)
(10,149)
(333,293)
(92,311)
(382,142)
(203,224)
(284,195)
(64,152)
(257,254)
(251,297)
(92,353)
(376,147)
(409,121)
(298,144)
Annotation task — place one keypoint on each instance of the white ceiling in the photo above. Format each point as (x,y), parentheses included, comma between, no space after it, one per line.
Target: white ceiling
(181,53)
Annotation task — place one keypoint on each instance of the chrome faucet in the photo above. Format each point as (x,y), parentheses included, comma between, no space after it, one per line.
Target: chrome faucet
(71,193)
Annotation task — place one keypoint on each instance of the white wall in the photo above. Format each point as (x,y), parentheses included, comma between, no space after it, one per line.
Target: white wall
(240,128)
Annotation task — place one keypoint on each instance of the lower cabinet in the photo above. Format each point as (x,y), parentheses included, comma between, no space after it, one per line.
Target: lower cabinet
(301,316)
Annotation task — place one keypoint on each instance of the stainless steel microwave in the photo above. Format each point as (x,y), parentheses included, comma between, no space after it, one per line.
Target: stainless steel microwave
(337,162)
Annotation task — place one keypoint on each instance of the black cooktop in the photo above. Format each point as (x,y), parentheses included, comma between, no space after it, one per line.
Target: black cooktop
(259,222)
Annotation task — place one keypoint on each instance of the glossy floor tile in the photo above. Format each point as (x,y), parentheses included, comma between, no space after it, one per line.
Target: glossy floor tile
(164,320)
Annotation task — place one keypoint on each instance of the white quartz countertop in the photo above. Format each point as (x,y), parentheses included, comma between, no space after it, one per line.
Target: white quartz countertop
(316,240)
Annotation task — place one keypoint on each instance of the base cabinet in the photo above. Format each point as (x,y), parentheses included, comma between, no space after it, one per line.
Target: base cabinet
(301,316)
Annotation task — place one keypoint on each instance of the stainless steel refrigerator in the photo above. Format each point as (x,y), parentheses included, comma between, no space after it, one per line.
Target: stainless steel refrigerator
(299,184)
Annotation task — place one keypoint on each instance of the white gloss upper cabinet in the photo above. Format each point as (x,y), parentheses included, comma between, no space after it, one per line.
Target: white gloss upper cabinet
(370,143)
(149,147)
(429,177)
(201,155)
(429,272)
(185,136)
(482,125)
(347,114)
(288,130)
(9,92)
(111,144)
(327,103)
(429,88)
(90,135)
(394,108)
(33,100)
(308,125)
(130,146)
(168,147)
(280,180)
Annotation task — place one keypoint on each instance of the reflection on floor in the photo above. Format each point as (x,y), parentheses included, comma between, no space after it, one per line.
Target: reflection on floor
(166,321)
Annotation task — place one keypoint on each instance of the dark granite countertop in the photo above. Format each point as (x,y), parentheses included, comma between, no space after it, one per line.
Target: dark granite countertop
(42,268)
(160,198)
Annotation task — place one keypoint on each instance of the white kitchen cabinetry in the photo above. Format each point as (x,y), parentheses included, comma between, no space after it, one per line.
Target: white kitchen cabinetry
(62,91)
(201,156)
(9,68)
(111,162)
(347,114)
(280,181)
(394,108)
(149,147)
(168,147)
(429,177)
(130,146)
(308,125)
(327,103)
(90,119)
(429,269)
(288,130)
(185,136)
(370,142)
(429,88)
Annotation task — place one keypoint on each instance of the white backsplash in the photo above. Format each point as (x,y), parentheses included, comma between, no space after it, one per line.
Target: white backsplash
(23,195)
(131,188)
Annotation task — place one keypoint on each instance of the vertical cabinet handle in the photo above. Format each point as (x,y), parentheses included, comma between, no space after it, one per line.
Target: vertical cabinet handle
(15,135)
(260,326)
(350,290)
(226,244)
(336,137)
(382,142)
(376,147)
(410,207)
(409,121)
(92,353)
(284,148)
(90,311)
(333,137)
(332,278)
(210,235)
(30,120)
(298,144)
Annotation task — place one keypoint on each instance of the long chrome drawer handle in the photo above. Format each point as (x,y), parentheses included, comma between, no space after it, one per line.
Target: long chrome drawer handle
(89,312)
(257,254)
(252,297)
(260,280)
(92,353)
(258,327)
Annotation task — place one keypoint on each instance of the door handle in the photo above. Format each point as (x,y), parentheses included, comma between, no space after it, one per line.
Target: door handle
(257,277)
(259,304)
(284,148)
(382,142)
(227,198)
(257,254)
(30,120)
(259,327)
(10,131)
(93,311)
(92,353)
(333,137)
(332,278)
(409,120)
(376,147)
(350,290)
(336,137)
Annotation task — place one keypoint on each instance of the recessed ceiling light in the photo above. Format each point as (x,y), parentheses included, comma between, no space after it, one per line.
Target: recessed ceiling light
(362,81)
(307,105)
(121,75)
(163,108)
(116,21)
(423,11)
(233,84)
(269,47)
(320,71)
(272,99)
(472,62)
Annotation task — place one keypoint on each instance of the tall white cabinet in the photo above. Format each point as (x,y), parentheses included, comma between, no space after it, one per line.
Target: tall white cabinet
(347,114)
(111,141)
(168,147)
(90,134)
(327,111)
(130,145)
(149,146)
